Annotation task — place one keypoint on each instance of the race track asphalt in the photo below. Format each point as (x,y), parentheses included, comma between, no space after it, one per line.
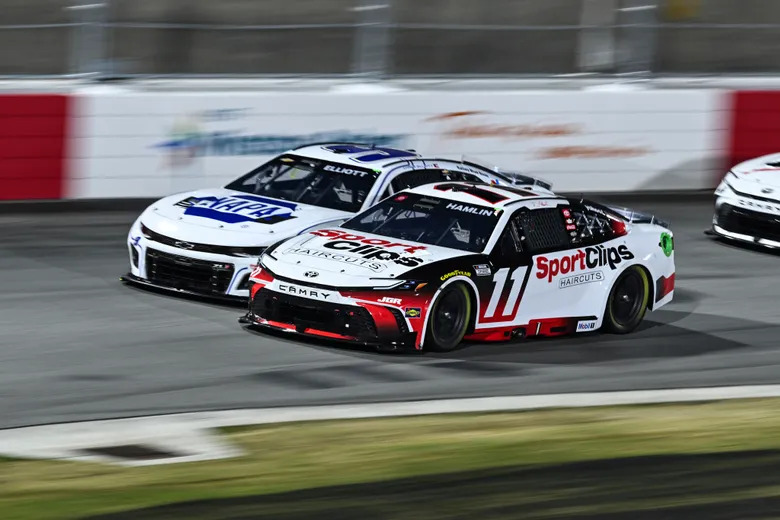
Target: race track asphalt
(76,344)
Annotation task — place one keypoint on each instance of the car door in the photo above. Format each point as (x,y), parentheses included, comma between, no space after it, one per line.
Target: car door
(509,268)
(574,259)
(537,232)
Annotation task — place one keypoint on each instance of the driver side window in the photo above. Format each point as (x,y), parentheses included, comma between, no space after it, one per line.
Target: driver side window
(541,230)
(509,247)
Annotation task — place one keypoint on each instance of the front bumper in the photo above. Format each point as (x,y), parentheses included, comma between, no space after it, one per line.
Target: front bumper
(745,225)
(356,324)
(196,273)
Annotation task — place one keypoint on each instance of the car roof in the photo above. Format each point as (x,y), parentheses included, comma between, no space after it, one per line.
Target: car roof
(351,153)
(355,154)
(503,195)
(372,157)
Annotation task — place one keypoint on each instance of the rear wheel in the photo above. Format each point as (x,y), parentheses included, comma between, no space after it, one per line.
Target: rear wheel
(448,318)
(627,302)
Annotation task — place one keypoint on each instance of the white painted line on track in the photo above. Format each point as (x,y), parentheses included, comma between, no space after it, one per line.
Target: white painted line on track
(191,434)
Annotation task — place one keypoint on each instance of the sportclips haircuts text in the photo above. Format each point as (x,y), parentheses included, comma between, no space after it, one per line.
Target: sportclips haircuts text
(587,258)
(369,248)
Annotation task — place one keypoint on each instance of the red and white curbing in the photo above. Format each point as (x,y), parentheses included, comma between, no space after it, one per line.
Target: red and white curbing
(192,437)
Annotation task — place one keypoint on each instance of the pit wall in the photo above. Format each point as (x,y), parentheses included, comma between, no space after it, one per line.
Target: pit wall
(117,144)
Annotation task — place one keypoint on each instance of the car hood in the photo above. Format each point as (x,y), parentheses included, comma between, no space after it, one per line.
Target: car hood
(233,218)
(756,176)
(345,258)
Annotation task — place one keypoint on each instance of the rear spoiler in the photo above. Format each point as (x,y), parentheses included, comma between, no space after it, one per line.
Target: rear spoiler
(638,217)
(513,178)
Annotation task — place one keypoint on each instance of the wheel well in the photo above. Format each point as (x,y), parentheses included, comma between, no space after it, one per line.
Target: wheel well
(473,317)
(650,282)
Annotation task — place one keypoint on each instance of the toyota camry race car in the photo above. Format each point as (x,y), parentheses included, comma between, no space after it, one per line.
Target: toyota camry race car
(435,264)
(204,242)
(747,203)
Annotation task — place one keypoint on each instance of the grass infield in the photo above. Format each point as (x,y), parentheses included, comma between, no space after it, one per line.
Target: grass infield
(702,460)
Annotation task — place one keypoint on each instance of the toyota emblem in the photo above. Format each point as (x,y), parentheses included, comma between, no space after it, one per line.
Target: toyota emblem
(183,245)
(767,190)
(311,274)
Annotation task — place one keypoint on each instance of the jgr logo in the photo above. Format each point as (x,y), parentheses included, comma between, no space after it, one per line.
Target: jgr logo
(588,258)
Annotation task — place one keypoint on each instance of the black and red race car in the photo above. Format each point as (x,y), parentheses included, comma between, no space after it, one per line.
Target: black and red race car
(430,266)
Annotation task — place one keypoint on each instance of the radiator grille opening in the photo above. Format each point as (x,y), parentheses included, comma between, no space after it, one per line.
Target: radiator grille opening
(188,274)
(347,320)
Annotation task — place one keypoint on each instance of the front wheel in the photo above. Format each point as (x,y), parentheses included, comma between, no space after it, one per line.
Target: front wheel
(627,302)
(448,318)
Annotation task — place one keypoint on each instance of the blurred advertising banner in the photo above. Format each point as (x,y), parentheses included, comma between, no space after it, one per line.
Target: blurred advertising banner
(33,146)
(680,10)
(151,144)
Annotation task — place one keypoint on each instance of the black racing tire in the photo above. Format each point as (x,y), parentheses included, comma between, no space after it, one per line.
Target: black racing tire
(448,318)
(628,301)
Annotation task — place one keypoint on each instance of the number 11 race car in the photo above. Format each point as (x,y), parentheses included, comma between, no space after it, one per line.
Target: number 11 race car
(432,265)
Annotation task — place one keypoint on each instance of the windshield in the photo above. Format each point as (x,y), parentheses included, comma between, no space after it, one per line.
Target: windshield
(309,181)
(429,220)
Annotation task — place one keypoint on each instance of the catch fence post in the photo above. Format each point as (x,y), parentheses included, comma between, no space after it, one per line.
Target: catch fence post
(87,53)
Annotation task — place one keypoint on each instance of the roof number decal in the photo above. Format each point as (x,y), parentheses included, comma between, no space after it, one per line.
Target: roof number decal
(371,154)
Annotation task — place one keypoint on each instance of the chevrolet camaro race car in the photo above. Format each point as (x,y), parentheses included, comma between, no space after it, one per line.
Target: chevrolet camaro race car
(747,203)
(204,242)
(430,266)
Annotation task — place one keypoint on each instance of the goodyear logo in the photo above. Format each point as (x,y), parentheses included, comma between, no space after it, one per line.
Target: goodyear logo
(454,273)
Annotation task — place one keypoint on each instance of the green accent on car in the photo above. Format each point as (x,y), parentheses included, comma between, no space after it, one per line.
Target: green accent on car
(666,243)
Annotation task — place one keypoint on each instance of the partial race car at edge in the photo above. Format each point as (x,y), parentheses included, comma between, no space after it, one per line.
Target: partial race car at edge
(747,203)
(436,264)
(204,242)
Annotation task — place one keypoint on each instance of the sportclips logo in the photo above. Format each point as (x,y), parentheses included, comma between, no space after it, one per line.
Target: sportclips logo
(370,248)
(588,258)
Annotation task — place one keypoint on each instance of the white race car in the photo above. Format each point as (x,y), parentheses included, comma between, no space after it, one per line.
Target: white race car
(204,242)
(433,265)
(747,202)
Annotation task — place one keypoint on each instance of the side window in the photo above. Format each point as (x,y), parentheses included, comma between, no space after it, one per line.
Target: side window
(508,247)
(593,225)
(542,230)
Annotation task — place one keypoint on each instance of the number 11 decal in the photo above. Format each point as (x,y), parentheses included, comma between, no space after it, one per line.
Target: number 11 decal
(499,283)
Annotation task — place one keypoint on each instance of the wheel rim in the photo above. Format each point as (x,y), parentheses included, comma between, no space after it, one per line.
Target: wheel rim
(628,298)
(449,318)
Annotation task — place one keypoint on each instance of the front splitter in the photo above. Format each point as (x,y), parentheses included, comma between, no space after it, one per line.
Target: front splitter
(131,279)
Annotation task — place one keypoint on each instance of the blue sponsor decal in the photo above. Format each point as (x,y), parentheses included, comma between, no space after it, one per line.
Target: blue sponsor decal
(233,209)
(371,154)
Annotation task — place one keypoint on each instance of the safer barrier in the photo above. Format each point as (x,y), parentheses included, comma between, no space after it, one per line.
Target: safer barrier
(125,144)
